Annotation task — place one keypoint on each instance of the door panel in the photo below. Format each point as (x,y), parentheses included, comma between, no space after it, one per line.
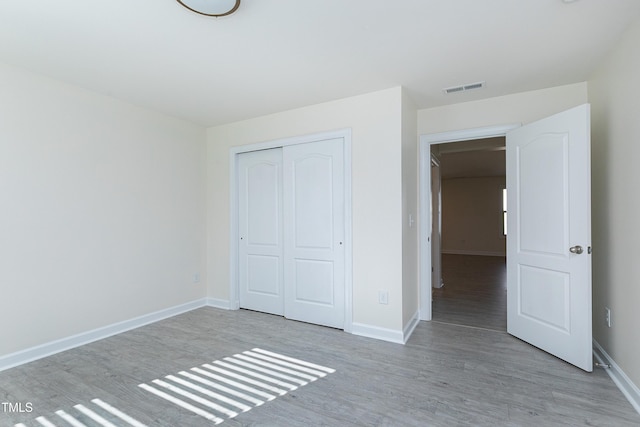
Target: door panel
(312,179)
(260,269)
(549,207)
(314,275)
(542,166)
(544,297)
(263,275)
(314,232)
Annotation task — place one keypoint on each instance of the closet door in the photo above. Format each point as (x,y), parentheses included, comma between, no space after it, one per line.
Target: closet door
(313,178)
(260,263)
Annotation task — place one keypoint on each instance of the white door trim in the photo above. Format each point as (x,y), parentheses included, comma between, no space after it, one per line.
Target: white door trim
(425,197)
(234,302)
(436,209)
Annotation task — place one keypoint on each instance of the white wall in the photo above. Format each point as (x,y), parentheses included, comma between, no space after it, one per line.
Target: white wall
(104,203)
(102,211)
(524,107)
(410,258)
(519,108)
(375,121)
(614,92)
(472,216)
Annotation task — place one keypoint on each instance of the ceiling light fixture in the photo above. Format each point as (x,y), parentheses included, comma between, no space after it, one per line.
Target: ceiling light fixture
(211,7)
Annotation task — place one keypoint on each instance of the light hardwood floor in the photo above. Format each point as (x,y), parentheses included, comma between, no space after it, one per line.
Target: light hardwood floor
(446,375)
(474,292)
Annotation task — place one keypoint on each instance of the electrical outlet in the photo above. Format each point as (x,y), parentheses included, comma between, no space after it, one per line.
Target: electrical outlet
(607,316)
(196,277)
(383,297)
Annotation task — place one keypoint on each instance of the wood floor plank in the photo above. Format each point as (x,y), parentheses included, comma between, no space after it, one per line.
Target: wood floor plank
(474,292)
(446,375)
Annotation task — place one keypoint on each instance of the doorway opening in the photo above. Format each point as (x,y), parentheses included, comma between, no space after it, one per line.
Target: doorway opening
(548,279)
(468,234)
(437,252)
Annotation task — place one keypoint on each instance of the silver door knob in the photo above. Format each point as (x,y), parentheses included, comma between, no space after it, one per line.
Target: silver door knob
(576,249)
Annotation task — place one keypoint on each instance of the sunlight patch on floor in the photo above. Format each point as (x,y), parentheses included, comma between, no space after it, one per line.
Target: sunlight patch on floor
(216,391)
(95,414)
(225,388)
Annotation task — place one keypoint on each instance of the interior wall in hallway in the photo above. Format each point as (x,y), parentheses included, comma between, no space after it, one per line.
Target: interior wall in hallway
(472,216)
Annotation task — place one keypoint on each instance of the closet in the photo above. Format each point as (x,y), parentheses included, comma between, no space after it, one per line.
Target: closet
(291,230)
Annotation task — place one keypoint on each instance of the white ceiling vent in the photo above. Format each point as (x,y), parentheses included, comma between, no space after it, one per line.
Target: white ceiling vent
(463,88)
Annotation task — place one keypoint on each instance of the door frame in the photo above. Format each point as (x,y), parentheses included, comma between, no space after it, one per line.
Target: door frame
(436,209)
(345,134)
(426,141)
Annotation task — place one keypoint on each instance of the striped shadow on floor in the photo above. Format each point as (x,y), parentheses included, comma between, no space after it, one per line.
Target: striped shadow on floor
(101,414)
(226,388)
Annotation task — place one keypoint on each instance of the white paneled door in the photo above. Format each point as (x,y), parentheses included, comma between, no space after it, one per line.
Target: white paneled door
(549,242)
(291,225)
(314,232)
(260,260)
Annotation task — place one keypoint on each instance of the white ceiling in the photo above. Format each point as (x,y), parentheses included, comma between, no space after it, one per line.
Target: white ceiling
(275,55)
(472,159)
(473,164)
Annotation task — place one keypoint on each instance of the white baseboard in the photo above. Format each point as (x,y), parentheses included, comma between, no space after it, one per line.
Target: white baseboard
(384,334)
(38,352)
(410,327)
(220,303)
(624,383)
(480,253)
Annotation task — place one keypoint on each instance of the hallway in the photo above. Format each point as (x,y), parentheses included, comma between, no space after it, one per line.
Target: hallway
(474,292)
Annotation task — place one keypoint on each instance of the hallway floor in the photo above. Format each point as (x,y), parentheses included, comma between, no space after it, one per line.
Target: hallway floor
(474,292)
